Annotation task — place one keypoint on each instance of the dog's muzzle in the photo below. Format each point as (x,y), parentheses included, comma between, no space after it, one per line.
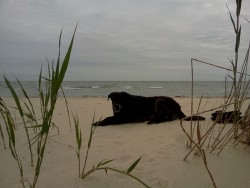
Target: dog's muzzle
(117,107)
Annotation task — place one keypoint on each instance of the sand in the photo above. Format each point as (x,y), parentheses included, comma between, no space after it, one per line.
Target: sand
(162,147)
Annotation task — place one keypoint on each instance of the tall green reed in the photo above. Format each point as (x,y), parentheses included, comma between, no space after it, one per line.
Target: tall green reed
(21,112)
(48,98)
(48,101)
(10,126)
(79,142)
(2,135)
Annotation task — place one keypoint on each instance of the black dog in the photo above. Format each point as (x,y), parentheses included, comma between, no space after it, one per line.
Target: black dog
(131,108)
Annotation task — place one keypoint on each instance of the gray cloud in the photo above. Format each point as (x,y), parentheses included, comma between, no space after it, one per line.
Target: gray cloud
(119,40)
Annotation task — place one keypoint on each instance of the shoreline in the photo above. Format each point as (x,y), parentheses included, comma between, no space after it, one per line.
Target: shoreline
(174,97)
(147,88)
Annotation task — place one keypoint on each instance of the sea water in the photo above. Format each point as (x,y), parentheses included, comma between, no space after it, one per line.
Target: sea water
(145,88)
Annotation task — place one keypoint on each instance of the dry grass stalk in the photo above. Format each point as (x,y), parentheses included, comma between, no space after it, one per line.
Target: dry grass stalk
(201,151)
(219,136)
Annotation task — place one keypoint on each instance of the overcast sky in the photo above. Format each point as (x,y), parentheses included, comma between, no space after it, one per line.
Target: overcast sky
(120,39)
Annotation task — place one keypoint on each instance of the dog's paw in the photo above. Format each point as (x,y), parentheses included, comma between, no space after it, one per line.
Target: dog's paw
(100,123)
(151,122)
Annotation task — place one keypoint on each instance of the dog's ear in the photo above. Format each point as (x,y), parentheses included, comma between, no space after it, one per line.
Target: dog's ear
(111,95)
(117,95)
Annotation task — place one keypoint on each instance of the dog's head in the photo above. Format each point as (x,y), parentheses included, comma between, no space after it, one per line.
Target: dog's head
(119,100)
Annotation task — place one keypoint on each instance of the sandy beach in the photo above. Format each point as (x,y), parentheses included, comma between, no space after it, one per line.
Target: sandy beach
(162,147)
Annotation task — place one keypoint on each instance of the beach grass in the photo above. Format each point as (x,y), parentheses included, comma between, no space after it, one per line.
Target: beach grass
(30,120)
(211,140)
(42,123)
(102,165)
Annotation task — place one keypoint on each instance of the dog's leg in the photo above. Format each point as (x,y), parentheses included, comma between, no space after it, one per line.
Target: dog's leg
(162,112)
(159,119)
(112,120)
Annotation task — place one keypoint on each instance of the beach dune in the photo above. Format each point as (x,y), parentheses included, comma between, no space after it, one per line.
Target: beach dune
(161,146)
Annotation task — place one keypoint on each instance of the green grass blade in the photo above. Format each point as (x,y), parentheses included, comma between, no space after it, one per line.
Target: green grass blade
(66,61)
(133,165)
(11,129)
(237,41)
(2,135)
(30,109)
(232,20)
(40,79)
(24,92)
(104,162)
(67,107)
(77,132)
(14,96)
(59,54)
(53,86)
(59,46)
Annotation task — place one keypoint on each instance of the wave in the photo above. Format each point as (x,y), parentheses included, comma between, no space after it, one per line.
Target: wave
(155,87)
(128,87)
(71,88)
(103,88)
(95,87)
(81,87)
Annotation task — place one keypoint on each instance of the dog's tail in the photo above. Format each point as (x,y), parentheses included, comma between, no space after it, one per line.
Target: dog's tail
(194,118)
(181,115)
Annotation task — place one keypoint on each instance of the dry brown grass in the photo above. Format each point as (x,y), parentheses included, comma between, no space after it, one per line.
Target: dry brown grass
(217,136)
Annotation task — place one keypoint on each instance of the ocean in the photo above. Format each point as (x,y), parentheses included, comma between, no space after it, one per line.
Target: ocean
(145,88)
